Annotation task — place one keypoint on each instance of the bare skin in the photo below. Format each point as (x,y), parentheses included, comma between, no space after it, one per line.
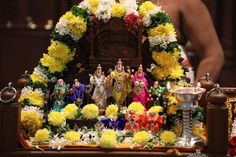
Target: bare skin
(193,22)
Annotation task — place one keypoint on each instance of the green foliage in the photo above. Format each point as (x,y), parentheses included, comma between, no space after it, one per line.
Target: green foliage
(170,47)
(66,39)
(129,134)
(80,12)
(37,84)
(58,130)
(120,139)
(198,114)
(25,102)
(159,18)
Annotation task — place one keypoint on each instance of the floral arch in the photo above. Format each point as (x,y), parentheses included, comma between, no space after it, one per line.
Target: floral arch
(156,24)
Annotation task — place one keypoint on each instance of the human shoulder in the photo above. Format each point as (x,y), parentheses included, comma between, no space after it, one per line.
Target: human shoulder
(191,6)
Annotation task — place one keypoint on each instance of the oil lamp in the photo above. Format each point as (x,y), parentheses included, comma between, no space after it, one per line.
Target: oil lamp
(187,96)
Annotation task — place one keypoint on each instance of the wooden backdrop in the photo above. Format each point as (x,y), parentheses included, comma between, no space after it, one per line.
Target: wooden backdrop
(21,47)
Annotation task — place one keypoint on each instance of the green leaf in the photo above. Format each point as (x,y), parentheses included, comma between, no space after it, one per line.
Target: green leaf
(159,18)
(66,39)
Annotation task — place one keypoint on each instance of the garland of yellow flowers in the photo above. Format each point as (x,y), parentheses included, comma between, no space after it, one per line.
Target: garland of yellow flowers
(73,25)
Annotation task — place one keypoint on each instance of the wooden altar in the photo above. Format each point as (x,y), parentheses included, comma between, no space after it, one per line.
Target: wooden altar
(217,135)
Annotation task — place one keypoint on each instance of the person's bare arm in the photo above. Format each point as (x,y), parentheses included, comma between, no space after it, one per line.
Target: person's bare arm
(198,27)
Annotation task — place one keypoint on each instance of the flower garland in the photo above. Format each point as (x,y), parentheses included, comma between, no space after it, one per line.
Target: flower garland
(161,35)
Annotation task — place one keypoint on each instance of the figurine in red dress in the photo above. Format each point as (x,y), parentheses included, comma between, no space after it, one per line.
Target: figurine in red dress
(154,122)
(132,121)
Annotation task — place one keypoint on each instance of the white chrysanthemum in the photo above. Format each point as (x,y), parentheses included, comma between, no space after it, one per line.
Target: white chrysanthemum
(104,14)
(85,5)
(104,10)
(90,137)
(26,90)
(58,143)
(107,2)
(29,89)
(32,109)
(39,72)
(130,6)
(163,40)
(147,17)
(63,29)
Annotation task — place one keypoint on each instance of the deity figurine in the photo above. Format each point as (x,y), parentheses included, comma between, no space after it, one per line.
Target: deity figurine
(154,122)
(122,83)
(59,95)
(156,92)
(76,93)
(140,89)
(100,93)
(132,121)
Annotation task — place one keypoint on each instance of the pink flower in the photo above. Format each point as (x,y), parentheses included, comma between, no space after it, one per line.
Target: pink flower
(132,21)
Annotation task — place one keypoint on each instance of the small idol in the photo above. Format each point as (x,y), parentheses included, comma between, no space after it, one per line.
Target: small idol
(76,93)
(122,83)
(140,89)
(59,95)
(100,93)
(156,93)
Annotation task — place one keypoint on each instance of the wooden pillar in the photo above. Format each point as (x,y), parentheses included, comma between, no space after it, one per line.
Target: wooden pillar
(9,120)
(217,123)
(207,83)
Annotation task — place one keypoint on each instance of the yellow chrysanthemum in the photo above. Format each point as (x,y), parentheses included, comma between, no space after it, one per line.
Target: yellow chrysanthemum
(108,139)
(155,109)
(172,106)
(176,72)
(72,136)
(56,118)
(76,24)
(168,65)
(35,98)
(93,5)
(200,131)
(166,29)
(31,121)
(53,64)
(60,51)
(42,135)
(176,53)
(160,73)
(37,78)
(70,111)
(146,7)
(141,137)
(110,132)
(164,58)
(168,138)
(137,107)
(90,111)
(112,110)
(118,10)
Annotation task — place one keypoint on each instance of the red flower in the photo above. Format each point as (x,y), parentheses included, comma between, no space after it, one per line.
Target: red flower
(232,142)
(232,152)
(94,18)
(132,21)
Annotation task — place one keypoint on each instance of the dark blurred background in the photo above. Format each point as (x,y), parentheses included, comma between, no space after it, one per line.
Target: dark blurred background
(25,27)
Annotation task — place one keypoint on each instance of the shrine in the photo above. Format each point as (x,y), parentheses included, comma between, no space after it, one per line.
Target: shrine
(100,91)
